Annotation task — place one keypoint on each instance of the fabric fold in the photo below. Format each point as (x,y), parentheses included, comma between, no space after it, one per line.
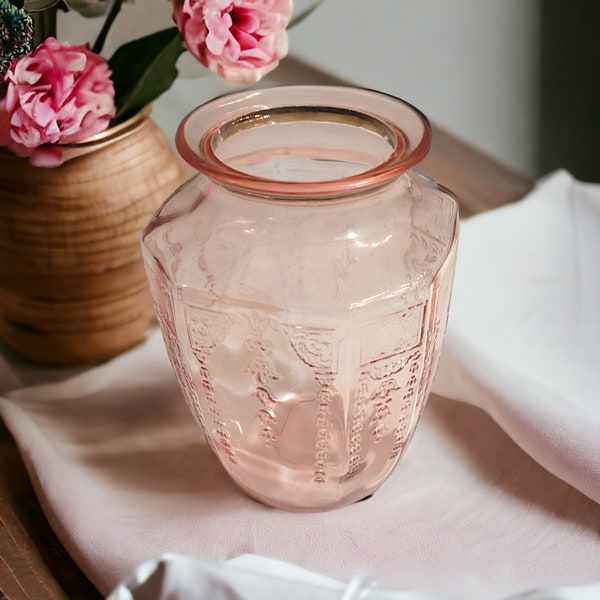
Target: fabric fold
(523,338)
(483,504)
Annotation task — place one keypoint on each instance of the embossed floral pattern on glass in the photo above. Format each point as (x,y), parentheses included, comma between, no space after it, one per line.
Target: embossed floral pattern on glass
(302,283)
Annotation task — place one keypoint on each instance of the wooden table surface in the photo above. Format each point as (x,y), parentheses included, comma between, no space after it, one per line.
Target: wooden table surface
(33,563)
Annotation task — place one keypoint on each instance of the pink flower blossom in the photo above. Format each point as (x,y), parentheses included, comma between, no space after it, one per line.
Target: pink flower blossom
(240,40)
(60,94)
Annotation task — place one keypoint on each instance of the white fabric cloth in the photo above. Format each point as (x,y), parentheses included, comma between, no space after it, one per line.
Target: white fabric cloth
(479,507)
(250,577)
(523,340)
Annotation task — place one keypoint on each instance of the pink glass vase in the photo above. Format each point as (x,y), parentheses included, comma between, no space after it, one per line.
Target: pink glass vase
(302,282)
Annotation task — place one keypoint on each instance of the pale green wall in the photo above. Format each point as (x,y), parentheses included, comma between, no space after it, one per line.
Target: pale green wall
(471,65)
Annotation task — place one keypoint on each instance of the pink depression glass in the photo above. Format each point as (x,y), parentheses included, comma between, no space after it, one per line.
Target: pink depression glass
(302,282)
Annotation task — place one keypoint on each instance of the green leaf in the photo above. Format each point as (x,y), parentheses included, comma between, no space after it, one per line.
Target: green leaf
(143,69)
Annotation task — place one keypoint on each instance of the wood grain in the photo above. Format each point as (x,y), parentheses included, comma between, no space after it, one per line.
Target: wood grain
(33,563)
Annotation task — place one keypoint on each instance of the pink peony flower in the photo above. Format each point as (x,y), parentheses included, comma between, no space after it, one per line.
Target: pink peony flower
(240,40)
(60,94)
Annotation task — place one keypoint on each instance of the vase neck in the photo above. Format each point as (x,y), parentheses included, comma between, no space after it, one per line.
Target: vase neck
(304,142)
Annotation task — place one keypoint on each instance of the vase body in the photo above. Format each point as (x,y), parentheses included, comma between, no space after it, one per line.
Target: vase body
(72,283)
(302,283)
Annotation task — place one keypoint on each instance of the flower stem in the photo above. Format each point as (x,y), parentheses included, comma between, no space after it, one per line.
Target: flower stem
(112,15)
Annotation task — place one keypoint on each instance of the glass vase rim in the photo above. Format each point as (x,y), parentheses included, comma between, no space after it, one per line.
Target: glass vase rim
(410,150)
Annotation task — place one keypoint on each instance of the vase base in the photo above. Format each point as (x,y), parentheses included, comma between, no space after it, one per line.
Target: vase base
(78,332)
(75,350)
